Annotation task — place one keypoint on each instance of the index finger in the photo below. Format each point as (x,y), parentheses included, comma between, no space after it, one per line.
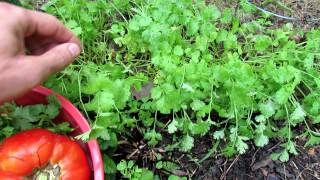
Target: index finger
(42,24)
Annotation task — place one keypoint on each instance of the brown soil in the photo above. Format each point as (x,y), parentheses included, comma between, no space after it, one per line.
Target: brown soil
(255,164)
(305,12)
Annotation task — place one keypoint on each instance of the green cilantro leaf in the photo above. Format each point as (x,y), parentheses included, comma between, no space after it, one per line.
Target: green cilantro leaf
(313,140)
(291,148)
(187,143)
(178,51)
(261,140)
(200,128)
(268,108)
(172,127)
(241,145)
(284,156)
(283,94)
(226,16)
(153,137)
(297,116)
(262,42)
(102,101)
(197,105)
(218,134)
(211,12)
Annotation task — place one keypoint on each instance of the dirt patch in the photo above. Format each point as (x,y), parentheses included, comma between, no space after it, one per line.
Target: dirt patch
(303,10)
(302,13)
(255,164)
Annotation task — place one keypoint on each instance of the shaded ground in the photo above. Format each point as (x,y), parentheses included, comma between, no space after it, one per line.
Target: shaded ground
(299,9)
(255,164)
(305,12)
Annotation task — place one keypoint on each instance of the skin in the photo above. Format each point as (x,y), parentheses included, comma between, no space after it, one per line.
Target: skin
(33,45)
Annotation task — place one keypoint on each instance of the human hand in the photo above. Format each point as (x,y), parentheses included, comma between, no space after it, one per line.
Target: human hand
(33,45)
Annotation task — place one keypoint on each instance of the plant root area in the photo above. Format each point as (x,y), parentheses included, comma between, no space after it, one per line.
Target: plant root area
(199,165)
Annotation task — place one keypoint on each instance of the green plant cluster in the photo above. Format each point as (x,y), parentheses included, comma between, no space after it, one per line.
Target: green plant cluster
(211,74)
(14,118)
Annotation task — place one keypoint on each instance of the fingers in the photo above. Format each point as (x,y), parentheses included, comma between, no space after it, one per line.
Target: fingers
(56,58)
(44,32)
(35,27)
(32,23)
(20,76)
(36,51)
(45,25)
(55,47)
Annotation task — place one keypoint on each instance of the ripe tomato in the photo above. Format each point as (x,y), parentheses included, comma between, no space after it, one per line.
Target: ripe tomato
(39,152)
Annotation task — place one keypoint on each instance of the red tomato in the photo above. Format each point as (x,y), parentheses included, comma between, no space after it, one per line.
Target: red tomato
(24,153)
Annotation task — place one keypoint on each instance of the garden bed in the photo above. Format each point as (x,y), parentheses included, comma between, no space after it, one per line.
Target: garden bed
(254,164)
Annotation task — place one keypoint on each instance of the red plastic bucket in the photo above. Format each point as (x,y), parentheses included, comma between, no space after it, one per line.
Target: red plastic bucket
(71,114)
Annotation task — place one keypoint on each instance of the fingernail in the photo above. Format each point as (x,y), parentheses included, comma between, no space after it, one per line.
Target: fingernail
(74,49)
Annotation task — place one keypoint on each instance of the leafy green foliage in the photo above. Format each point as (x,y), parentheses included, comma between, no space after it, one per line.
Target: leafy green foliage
(131,171)
(173,177)
(153,137)
(15,118)
(187,143)
(211,74)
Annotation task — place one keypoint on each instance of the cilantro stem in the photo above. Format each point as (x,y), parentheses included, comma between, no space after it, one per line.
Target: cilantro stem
(307,85)
(59,12)
(64,86)
(155,120)
(125,19)
(299,89)
(250,117)
(211,151)
(186,115)
(80,94)
(211,98)
(182,81)
(309,74)
(236,116)
(288,122)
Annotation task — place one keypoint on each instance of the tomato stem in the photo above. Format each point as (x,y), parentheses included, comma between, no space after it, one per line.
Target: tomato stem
(50,172)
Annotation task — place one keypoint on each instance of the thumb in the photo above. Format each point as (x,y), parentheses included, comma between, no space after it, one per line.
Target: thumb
(32,70)
(57,58)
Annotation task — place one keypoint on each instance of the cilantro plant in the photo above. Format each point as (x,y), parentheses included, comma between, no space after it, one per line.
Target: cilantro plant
(211,74)
(14,118)
(131,171)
